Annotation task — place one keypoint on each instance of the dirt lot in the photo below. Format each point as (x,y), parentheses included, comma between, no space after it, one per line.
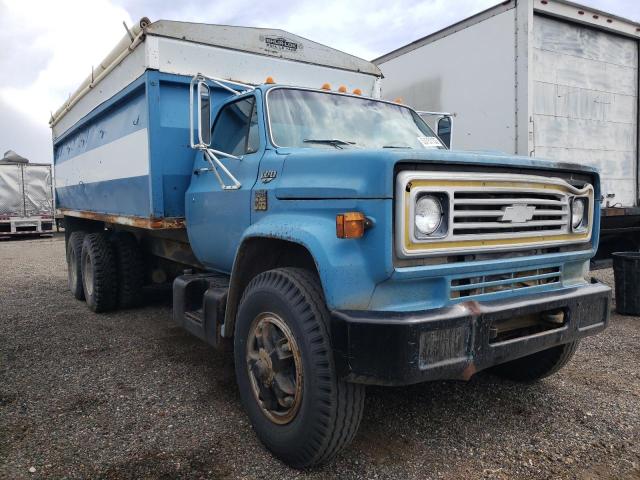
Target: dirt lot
(123,395)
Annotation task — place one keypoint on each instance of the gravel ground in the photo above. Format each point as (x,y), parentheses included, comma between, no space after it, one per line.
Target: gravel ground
(124,395)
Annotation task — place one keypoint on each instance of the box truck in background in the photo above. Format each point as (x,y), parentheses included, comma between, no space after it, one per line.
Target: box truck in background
(542,78)
(26,197)
(329,235)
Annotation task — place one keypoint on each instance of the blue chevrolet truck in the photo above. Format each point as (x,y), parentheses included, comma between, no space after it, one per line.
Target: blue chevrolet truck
(330,236)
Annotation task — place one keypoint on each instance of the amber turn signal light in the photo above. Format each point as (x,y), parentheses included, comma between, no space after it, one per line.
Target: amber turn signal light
(269,80)
(351,225)
(357,91)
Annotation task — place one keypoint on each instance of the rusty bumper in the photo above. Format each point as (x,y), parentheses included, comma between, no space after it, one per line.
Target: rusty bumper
(401,348)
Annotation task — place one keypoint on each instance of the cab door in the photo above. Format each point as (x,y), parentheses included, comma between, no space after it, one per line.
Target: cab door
(217,218)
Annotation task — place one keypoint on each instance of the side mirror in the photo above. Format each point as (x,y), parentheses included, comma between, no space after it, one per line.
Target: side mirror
(444,130)
(204,113)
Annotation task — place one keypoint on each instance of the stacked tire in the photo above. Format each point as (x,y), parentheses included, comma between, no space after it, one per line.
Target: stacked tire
(105,269)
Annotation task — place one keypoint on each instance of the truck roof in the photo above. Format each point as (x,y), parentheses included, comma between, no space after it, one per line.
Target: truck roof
(263,41)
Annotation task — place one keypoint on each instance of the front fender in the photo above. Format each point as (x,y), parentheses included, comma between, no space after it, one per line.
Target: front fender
(349,269)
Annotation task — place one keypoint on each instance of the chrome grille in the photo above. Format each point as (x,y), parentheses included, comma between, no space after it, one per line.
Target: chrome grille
(522,280)
(485,213)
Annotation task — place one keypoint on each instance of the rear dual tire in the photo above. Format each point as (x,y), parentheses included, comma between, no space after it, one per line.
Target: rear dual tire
(105,270)
(130,269)
(74,264)
(99,273)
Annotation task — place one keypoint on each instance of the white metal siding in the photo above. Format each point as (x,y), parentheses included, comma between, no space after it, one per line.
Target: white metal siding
(585,100)
(471,73)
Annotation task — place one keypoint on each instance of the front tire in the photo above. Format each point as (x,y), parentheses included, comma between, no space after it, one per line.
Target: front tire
(99,273)
(286,375)
(538,365)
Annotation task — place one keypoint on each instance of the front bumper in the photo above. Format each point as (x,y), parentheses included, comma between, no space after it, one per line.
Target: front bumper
(398,348)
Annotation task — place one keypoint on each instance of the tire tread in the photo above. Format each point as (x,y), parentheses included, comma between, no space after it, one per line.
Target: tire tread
(130,269)
(74,247)
(340,404)
(105,285)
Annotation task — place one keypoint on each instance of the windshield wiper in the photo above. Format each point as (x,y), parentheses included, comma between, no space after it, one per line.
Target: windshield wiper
(396,146)
(329,141)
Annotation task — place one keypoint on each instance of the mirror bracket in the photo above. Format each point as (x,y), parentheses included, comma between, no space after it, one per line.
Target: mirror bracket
(211,156)
(199,84)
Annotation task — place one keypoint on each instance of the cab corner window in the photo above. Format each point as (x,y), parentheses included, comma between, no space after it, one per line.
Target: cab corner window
(235,130)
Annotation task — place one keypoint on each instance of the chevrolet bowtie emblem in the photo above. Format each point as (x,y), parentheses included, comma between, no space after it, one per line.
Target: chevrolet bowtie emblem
(518,213)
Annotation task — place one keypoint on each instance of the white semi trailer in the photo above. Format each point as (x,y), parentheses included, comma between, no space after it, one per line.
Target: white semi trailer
(26,197)
(542,78)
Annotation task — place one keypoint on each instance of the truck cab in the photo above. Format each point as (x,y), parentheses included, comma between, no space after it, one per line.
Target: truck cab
(334,240)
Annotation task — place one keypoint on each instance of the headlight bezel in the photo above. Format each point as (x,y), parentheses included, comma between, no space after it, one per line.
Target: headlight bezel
(584,221)
(442,229)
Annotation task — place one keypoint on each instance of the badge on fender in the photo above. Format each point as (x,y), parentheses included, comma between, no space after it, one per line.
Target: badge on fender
(268,175)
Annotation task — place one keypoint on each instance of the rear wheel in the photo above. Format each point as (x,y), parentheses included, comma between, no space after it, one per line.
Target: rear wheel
(130,269)
(299,408)
(538,365)
(99,279)
(74,263)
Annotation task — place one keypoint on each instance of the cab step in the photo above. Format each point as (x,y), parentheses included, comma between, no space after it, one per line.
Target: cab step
(199,303)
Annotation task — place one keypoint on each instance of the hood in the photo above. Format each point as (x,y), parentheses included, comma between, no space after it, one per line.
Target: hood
(312,173)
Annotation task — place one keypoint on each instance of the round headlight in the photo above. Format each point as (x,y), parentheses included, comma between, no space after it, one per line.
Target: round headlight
(577,212)
(428,214)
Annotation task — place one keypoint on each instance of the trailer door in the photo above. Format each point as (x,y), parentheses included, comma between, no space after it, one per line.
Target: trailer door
(38,197)
(11,190)
(585,102)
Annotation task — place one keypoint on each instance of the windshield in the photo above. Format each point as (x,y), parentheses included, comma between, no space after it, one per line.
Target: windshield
(303,118)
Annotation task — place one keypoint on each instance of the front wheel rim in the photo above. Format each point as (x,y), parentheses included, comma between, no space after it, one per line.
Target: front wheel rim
(274,366)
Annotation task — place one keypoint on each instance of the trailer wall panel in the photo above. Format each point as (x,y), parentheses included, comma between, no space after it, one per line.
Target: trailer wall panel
(470,73)
(25,190)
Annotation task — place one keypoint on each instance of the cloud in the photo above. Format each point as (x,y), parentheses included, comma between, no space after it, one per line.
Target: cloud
(366,28)
(50,47)
(21,133)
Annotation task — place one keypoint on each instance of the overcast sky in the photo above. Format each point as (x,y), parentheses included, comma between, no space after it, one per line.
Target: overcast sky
(47,47)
